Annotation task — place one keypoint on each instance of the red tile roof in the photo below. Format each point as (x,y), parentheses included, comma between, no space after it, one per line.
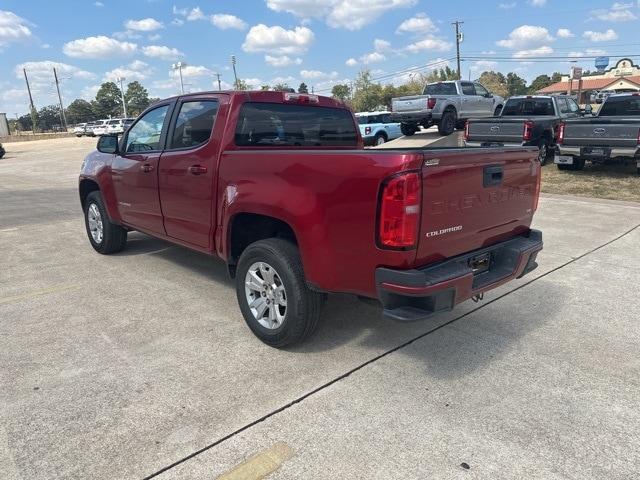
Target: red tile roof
(588,84)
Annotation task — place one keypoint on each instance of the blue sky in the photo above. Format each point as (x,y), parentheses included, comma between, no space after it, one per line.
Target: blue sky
(320,42)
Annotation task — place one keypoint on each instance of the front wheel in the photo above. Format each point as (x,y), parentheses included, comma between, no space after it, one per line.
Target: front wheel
(278,306)
(105,237)
(447,123)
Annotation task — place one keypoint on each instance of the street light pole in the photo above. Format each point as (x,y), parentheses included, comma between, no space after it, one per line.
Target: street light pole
(63,118)
(219,84)
(178,66)
(124,103)
(235,75)
(457,24)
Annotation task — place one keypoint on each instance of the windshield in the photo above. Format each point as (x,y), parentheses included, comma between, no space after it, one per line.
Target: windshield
(527,106)
(440,89)
(621,106)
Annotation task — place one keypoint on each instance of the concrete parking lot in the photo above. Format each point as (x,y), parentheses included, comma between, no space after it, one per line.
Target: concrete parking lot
(140,364)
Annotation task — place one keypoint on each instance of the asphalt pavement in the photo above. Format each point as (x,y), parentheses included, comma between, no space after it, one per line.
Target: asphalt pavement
(140,365)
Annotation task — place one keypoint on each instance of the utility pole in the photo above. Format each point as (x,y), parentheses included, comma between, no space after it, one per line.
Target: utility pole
(235,75)
(124,104)
(219,84)
(32,109)
(63,119)
(179,66)
(457,24)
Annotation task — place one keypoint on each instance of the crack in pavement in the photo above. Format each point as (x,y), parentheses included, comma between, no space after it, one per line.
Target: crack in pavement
(375,359)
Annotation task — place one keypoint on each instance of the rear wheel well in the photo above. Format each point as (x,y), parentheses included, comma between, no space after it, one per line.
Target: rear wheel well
(86,187)
(381,133)
(451,108)
(247,228)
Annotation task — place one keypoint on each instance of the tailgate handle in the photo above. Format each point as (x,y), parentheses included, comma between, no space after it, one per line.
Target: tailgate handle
(492,176)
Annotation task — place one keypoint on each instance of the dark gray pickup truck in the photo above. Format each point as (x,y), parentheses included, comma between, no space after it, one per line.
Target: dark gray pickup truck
(611,136)
(525,120)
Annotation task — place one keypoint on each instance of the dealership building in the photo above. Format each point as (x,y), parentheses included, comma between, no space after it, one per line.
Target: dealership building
(624,75)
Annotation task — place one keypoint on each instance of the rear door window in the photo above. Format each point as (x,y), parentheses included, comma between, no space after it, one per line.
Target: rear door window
(527,106)
(468,88)
(440,89)
(194,124)
(621,106)
(283,125)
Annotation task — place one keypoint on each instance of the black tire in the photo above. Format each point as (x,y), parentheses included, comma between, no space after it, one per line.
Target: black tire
(379,139)
(114,237)
(408,129)
(543,151)
(497,111)
(578,164)
(447,123)
(562,166)
(303,305)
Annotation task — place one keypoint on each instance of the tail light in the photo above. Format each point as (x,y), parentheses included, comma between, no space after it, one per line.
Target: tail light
(431,103)
(466,130)
(527,132)
(560,134)
(300,98)
(399,213)
(367,130)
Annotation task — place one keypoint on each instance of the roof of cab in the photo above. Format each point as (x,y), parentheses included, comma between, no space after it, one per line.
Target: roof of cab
(265,96)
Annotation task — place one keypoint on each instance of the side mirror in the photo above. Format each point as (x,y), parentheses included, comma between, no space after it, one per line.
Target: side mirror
(488,95)
(108,144)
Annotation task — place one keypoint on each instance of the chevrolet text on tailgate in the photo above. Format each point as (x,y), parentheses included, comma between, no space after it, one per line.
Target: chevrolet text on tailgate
(279,186)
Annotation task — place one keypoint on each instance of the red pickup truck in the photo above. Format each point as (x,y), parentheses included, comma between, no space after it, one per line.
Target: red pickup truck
(279,186)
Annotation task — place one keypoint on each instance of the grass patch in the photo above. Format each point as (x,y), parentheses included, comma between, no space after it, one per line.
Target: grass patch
(615,182)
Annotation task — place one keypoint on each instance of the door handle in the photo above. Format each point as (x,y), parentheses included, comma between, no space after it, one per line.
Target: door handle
(492,176)
(197,169)
(146,167)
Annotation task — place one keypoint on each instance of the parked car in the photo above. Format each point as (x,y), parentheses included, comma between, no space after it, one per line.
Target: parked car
(612,135)
(88,129)
(525,120)
(118,125)
(445,104)
(377,128)
(79,129)
(278,185)
(2,151)
(100,127)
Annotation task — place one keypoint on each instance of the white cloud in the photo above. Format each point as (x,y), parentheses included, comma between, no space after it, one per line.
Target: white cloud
(98,47)
(13,28)
(381,45)
(373,57)
(526,37)
(317,75)
(349,14)
(136,70)
(89,92)
(429,43)
(507,6)
(619,12)
(534,52)
(610,34)
(98,4)
(194,14)
(190,14)
(351,62)
(154,37)
(162,51)
(419,23)
(278,41)
(225,21)
(589,52)
(564,33)
(42,72)
(282,60)
(538,3)
(484,65)
(127,35)
(192,71)
(143,25)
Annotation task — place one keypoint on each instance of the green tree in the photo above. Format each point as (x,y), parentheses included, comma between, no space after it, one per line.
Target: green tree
(79,111)
(540,82)
(265,88)
(137,98)
(556,77)
(108,101)
(281,87)
(495,82)
(341,92)
(367,95)
(515,84)
(303,88)
(49,118)
(242,85)
(25,122)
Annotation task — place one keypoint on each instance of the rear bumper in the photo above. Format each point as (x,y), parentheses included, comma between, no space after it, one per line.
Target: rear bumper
(416,294)
(413,117)
(615,152)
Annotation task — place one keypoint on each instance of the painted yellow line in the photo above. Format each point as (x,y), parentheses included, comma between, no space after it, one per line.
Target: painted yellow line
(261,464)
(37,293)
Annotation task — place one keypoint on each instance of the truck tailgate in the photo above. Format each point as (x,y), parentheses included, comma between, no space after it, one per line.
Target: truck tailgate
(615,132)
(496,130)
(410,104)
(475,198)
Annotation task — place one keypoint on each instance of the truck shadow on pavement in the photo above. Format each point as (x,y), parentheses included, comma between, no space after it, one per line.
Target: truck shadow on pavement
(460,342)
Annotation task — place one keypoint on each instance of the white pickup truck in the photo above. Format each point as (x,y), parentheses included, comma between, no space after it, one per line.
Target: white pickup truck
(445,104)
